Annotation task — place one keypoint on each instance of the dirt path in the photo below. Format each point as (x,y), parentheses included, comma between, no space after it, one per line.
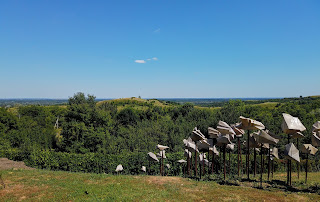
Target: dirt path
(8,164)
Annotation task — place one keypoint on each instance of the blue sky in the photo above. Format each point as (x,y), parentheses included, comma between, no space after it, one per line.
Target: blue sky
(157,49)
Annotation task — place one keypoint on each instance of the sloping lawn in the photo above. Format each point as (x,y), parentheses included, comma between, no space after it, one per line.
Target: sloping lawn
(43,185)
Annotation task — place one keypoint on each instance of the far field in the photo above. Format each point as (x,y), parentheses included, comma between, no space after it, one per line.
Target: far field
(43,185)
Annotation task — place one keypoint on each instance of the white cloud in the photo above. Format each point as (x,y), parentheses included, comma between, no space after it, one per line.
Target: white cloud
(140,61)
(156,31)
(145,60)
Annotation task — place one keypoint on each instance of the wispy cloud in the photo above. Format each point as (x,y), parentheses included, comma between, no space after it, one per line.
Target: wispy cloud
(145,61)
(140,61)
(157,30)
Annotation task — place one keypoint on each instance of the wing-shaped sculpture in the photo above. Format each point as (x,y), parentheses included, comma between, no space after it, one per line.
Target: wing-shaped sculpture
(192,147)
(239,132)
(291,125)
(168,166)
(203,145)
(207,163)
(119,168)
(162,153)
(316,126)
(252,141)
(196,135)
(264,137)
(161,147)
(182,161)
(152,157)
(187,153)
(291,152)
(250,124)
(315,138)
(144,169)
(223,139)
(230,146)
(274,152)
(201,157)
(225,129)
(210,142)
(185,142)
(308,149)
(265,145)
(297,135)
(273,135)
(214,151)
(213,133)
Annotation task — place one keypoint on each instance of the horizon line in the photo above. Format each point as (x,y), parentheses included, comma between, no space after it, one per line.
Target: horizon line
(156,98)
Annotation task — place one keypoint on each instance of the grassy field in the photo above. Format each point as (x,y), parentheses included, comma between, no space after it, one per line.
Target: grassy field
(46,185)
(268,105)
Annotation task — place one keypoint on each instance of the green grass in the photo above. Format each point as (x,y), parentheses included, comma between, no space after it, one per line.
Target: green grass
(268,105)
(46,185)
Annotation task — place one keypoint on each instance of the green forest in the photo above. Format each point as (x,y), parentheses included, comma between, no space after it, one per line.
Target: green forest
(90,136)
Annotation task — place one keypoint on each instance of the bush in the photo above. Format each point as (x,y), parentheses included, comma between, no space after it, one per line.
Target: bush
(91,162)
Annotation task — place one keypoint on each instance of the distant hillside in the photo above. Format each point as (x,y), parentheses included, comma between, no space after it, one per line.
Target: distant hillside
(133,102)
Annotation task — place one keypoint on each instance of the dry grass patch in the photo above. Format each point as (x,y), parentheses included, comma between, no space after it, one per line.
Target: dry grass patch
(164,180)
(21,192)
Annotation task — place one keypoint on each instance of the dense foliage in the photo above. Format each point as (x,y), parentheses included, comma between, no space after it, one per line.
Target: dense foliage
(123,131)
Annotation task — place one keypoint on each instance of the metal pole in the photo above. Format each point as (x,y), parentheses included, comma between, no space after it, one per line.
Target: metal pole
(269,156)
(188,164)
(255,162)
(212,165)
(229,170)
(195,161)
(288,167)
(240,156)
(272,169)
(298,164)
(190,171)
(161,164)
(263,163)
(203,168)
(248,156)
(290,172)
(261,159)
(239,148)
(208,162)
(224,161)
(307,169)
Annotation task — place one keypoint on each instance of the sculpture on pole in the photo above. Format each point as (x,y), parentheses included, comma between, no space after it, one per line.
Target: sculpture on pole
(249,124)
(151,157)
(308,149)
(264,138)
(162,153)
(196,135)
(291,126)
(239,134)
(227,134)
(213,135)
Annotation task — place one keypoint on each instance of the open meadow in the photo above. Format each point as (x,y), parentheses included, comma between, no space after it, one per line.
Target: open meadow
(44,185)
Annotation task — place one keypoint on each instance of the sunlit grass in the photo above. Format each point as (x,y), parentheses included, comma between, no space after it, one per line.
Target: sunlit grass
(65,186)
